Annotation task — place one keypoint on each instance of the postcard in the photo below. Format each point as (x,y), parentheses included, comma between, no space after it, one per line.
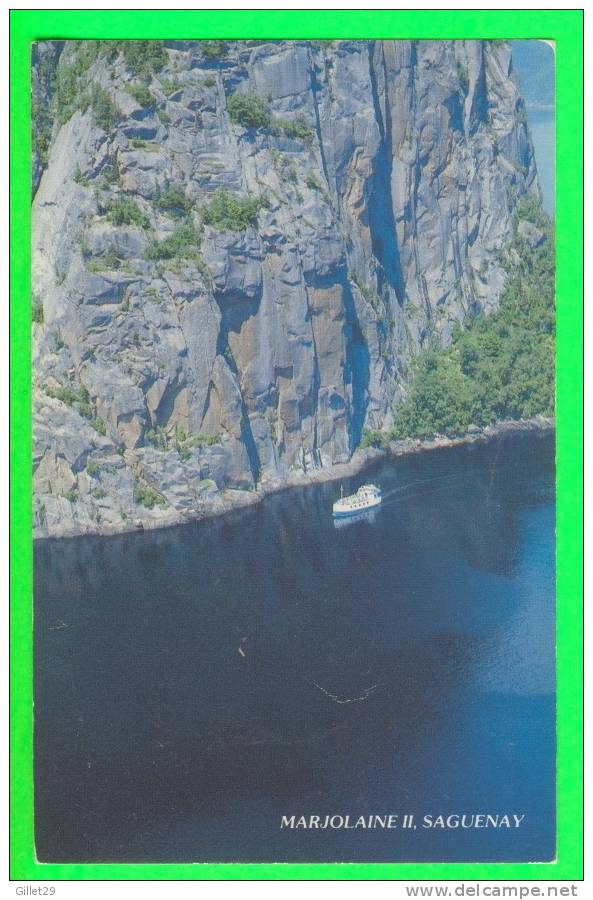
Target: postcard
(294,451)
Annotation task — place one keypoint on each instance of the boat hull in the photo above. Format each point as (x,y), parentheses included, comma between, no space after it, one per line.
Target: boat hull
(367,515)
(342,512)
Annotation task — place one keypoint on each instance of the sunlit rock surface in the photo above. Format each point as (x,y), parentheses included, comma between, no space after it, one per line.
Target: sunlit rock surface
(174,387)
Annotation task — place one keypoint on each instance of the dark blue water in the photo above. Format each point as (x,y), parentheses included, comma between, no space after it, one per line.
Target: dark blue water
(403,665)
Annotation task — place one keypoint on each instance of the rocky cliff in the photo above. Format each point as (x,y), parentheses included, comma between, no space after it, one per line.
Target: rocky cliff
(239,247)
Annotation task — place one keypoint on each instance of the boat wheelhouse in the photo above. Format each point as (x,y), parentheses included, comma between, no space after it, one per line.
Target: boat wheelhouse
(366,497)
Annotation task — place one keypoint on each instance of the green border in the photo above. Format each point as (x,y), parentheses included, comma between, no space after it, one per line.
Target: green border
(565,27)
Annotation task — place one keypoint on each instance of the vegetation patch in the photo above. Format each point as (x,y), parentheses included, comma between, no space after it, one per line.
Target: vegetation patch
(372,438)
(105,112)
(67,93)
(183,243)
(213,49)
(249,110)
(227,212)
(144,58)
(530,210)
(37,312)
(106,263)
(147,497)
(205,440)
(141,95)
(284,166)
(170,86)
(43,89)
(110,174)
(125,211)
(86,54)
(185,444)
(252,111)
(73,93)
(79,178)
(85,409)
(368,292)
(157,437)
(501,366)
(42,128)
(99,426)
(296,129)
(173,201)
(78,398)
(312,181)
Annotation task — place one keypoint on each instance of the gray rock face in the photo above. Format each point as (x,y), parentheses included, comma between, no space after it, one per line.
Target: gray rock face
(181,360)
(532,235)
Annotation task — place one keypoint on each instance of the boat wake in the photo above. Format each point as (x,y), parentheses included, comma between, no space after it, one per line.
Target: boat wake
(338,699)
(395,493)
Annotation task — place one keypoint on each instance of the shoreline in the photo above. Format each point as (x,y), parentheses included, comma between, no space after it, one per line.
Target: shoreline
(361,459)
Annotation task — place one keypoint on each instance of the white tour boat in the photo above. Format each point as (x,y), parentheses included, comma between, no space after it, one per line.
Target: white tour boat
(366,497)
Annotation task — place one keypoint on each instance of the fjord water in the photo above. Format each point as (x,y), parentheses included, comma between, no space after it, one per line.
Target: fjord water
(542,125)
(196,684)
(534,63)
